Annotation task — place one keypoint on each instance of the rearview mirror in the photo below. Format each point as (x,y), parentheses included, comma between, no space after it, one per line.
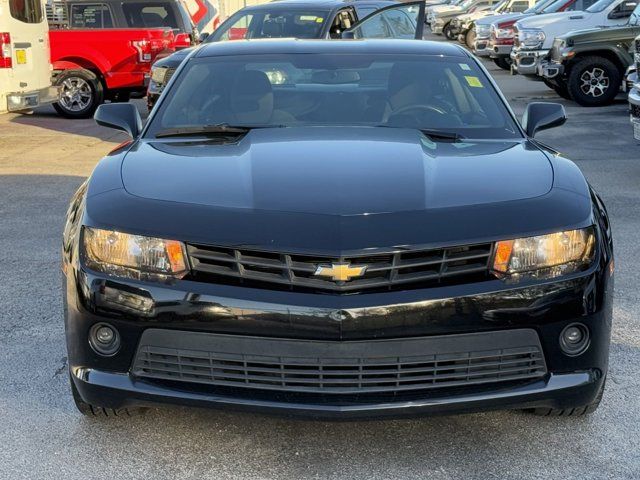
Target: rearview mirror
(121,116)
(542,116)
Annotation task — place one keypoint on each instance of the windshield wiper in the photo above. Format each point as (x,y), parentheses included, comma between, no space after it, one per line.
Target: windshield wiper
(219,129)
(441,135)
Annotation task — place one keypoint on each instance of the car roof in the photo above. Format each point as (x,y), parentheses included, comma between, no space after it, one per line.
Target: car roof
(324,4)
(300,46)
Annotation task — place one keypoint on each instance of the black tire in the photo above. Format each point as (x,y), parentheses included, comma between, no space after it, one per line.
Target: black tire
(503,63)
(594,81)
(448,32)
(89,410)
(559,87)
(87,96)
(570,412)
(470,38)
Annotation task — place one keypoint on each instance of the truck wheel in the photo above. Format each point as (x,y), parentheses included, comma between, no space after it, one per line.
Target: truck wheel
(94,411)
(470,38)
(570,412)
(594,81)
(503,63)
(81,94)
(448,32)
(560,88)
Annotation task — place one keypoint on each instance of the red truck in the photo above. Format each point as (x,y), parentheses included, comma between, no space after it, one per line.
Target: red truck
(104,51)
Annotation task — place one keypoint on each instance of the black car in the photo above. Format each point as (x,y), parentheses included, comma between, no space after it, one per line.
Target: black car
(283,19)
(348,228)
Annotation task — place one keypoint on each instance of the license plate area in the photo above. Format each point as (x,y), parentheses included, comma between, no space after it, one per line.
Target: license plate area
(21,56)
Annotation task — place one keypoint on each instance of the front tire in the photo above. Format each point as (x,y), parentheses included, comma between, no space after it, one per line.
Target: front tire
(571,412)
(448,32)
(89,410)
(594,81)
(503,63)
(82,92)
(470,38)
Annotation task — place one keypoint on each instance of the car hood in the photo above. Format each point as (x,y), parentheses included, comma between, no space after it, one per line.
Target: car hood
(542,21)
(175,59)
(335,191)
(488,20)
(608,34)
(349,171)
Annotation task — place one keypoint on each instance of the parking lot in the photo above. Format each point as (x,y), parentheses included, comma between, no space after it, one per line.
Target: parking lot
(43,159)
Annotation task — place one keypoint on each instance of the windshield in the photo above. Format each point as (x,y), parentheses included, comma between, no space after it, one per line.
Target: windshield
(408,91)
(271,24)
(466,4)
(634,19)
(539,6)
(600,5)
(554,6)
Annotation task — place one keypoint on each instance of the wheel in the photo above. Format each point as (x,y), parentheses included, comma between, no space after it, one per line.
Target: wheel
(81,94)
(95,411)
(503,63)
(571,412)
(470,38)
(448,32)
(560,88)
(594,81)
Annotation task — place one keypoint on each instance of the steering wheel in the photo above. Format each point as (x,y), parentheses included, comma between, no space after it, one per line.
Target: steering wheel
(423,108)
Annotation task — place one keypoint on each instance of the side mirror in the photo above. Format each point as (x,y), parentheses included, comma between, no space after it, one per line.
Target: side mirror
(121,116)
(203,36)
(347,35)
(541,116)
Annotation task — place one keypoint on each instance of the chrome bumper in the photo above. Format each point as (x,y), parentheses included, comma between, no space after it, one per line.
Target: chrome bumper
(500,50)
(481,47)
(526,62)
(549,69)
(27,100)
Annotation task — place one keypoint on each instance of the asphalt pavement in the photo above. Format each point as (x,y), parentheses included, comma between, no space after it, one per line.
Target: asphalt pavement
(43,159)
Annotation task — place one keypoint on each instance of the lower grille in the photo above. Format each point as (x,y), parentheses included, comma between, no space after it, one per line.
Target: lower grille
(343,367)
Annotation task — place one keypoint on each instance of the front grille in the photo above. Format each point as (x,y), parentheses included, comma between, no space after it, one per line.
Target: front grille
(635,110)
(168,74)
(342,368)
(386,270)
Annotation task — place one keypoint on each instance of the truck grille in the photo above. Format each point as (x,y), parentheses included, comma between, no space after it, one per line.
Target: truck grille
(342,367)
(386,270)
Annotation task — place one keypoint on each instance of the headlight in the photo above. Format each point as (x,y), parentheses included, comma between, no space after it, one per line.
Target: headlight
(506,32)
(531,38)
(133,256)
(158,74)
(545,256)
(482,31)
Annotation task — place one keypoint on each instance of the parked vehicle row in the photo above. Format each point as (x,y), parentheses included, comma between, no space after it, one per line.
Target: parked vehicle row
(587,51)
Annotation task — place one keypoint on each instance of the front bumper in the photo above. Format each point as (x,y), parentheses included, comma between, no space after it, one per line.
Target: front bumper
(338,323)
(437,27)
(550,69)
(498,51)
(481,47)
(634,109)
(27,100)
(527,62)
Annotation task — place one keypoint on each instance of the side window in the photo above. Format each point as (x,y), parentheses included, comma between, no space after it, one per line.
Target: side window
(149,15)
(238,29)
(375,27)
(90,16)
(624,10)
(400,23)
(519,6)
(27,11)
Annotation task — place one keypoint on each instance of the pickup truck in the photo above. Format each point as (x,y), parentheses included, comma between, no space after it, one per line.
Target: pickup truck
(634,93)
(440,18)
(535,35)
(588,66)
(104,50)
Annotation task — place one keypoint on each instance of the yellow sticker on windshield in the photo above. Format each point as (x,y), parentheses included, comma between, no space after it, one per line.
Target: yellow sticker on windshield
(473,81)
(319,20)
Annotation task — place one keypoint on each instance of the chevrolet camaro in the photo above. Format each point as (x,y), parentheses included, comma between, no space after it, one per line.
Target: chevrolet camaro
(336,229)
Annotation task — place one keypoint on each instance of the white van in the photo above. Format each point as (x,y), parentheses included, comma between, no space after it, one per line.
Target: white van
(25,64)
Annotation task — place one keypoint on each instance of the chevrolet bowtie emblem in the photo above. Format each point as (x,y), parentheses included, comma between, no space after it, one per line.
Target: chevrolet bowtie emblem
(340,272)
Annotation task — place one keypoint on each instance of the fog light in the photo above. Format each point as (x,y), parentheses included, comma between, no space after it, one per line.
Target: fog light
(574,339)
(104,339)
